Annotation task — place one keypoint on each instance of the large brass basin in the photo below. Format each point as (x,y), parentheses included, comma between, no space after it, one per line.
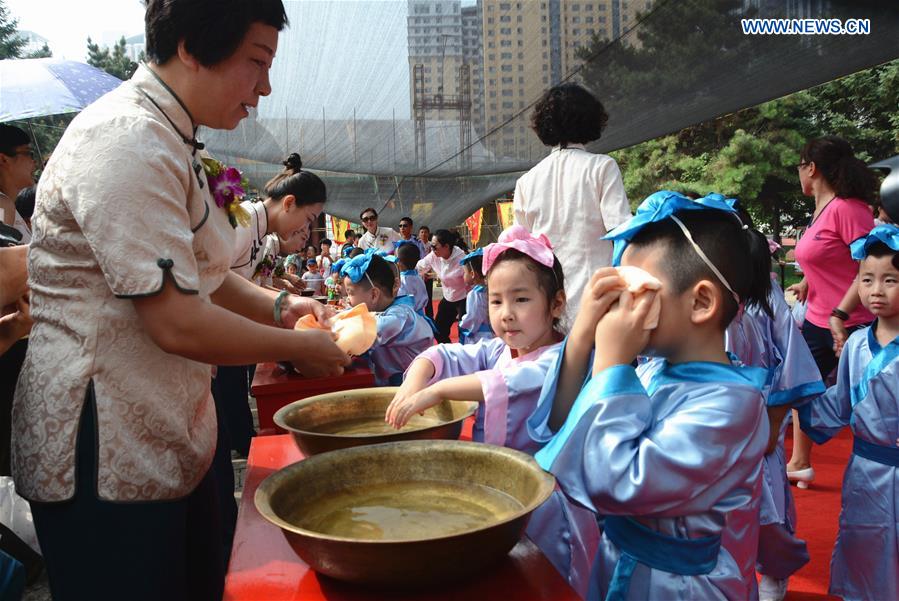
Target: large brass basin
(291,498)
(352,418)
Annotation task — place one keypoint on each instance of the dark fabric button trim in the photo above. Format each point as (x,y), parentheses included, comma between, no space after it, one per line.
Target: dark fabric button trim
(165,263)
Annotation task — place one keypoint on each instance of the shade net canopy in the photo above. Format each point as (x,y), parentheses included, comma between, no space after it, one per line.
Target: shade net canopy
(422,108)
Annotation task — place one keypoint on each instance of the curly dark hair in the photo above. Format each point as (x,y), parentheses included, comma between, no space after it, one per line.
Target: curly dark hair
(568,113)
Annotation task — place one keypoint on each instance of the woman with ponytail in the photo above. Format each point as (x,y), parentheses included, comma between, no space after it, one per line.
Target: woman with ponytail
(843,189)
(292,202)
(447,250)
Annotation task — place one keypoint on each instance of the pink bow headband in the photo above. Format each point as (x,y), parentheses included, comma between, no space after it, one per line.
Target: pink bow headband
(536,247)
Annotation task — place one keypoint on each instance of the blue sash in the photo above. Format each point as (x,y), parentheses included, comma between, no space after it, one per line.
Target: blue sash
(876,452)
(639,544)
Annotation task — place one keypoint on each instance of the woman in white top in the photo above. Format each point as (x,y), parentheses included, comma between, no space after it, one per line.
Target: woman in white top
(447,249)
(572,196)
(292,202)
(379,238)
(133,301)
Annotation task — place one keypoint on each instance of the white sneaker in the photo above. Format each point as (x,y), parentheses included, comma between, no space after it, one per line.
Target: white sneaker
(772,589)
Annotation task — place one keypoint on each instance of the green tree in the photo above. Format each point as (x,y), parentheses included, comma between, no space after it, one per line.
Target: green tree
(43,52)
(752,154)
(11,44)
(114,61)
(676,62)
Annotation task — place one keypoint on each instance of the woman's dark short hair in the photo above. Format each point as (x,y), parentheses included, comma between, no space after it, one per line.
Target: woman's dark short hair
(11,137)
(306,187)
(211,29)
(568,113)
(368,210)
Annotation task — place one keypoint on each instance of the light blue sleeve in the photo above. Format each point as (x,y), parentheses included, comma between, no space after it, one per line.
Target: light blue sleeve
(796,376)
(825,416)
(391,325)
(538,422)
(621,458)
(474,314)
(455,359)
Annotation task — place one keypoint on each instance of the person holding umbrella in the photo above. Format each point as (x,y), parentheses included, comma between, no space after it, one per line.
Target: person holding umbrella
(133,300)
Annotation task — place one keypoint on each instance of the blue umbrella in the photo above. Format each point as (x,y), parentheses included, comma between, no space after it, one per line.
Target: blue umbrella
(35,87)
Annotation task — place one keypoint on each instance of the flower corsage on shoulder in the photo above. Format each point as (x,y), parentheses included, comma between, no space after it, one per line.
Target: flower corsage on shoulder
(228,187)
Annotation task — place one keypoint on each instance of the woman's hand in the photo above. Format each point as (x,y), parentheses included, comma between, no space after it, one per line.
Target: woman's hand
(800,290)
(839,333)
(601,292)
(295,307)
(400,412)
(620,334)
(417,377)
(318,355)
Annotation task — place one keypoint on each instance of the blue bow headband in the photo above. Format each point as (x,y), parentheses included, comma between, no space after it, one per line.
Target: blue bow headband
(384,255)
(888,234)
(338,265)
(662,205)
(356,268)
(399,243)
(468,258)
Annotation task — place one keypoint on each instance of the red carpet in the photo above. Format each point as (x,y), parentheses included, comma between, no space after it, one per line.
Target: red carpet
(818,509)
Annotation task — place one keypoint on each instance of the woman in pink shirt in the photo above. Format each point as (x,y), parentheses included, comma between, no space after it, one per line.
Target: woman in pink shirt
(843,188)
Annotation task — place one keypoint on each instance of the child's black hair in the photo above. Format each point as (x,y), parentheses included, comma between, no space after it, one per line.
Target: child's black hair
(550,281)
(760,254)
(476,264)
(382,274)
(879,249)
(737,253)
(356,252)
(408,256)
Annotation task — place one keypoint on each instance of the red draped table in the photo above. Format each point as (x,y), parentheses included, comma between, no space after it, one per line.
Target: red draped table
(273,388)
(264,567)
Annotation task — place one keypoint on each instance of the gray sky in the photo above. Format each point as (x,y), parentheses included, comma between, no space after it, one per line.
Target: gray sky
(68,23)
(337,54)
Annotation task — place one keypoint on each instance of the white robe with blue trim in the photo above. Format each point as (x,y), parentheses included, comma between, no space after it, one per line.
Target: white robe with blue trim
(678,448)
(865,562)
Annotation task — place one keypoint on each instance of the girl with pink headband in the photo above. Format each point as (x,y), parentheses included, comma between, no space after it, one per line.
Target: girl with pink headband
(525,292)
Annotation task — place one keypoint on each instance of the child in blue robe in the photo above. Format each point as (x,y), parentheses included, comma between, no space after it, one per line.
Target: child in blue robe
(865,562)
(506,374)
(475,324)
(402,333)
(411,283)
(766,336)
(666,453)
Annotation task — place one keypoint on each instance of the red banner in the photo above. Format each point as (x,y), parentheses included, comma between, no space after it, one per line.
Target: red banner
(474,226)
